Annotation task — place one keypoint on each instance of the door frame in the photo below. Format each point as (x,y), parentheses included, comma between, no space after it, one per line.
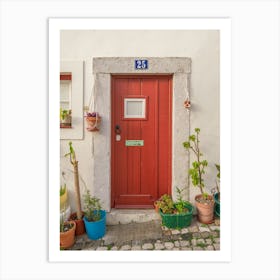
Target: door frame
(170,99)
(102,69)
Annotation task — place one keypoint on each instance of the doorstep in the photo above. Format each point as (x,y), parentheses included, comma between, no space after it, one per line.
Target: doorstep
(127,216)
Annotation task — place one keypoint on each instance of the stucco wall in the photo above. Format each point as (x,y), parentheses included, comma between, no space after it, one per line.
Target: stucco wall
(203,49)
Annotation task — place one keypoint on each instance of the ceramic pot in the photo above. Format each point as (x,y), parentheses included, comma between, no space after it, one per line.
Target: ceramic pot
(93,123)
(205,210)
(217,204)
(80,225)
(67,238)
(96,229)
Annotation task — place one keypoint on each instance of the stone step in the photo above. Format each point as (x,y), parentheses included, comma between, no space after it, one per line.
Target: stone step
(126,216)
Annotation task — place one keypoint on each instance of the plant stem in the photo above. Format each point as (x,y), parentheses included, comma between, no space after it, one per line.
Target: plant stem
(198,160)
(77,190)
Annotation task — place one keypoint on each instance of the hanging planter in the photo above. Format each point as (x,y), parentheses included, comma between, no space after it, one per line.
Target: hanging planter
(93,121)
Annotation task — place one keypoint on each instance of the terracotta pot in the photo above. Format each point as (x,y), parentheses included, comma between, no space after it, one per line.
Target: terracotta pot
(80,225)
(205,210)
(156,207)
(67,238)
(93,123)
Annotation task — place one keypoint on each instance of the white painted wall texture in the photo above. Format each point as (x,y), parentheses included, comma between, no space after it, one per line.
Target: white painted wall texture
(203,49)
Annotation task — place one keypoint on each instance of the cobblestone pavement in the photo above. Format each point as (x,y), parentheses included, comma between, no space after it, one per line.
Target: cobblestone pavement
(154,237)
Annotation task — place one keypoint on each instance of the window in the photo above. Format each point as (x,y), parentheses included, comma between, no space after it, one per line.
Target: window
(135,108)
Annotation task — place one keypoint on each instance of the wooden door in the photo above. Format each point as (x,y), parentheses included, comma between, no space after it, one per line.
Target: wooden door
(141,140)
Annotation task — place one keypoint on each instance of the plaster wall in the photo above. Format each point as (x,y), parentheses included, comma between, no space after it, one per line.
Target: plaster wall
(203,49)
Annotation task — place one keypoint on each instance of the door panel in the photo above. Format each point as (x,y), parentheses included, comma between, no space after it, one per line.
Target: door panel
(140,174)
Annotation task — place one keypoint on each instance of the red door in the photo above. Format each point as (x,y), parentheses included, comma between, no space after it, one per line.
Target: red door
(141,140)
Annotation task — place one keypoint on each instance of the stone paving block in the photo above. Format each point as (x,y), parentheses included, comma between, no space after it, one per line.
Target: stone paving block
(136,248)
(217,240)
(193,242)
(184,243)
(203,228)
(196,235)
(159,246)
(217,221)
(200,241)
(147,246)
(187,236)
(175,249)
(208,241)
(114,248)
(205,234)
(184,230)
(193,229)
(175,231)
(209,248)
(177,243)
(103,248)
(216,246)
(125,247)
(215,234)
(169,245)
(213,228)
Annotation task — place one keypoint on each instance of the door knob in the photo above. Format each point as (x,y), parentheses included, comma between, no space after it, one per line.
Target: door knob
(117,129)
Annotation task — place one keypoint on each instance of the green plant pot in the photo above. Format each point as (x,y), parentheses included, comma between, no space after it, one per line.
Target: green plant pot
(180,220)
(217,204)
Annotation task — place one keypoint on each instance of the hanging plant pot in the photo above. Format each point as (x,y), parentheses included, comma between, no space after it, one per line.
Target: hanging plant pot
(93,121)
(67,236)
(80,225)
(96,229)
(205,208)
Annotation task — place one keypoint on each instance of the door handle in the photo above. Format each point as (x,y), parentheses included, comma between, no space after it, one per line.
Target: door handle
(117,129)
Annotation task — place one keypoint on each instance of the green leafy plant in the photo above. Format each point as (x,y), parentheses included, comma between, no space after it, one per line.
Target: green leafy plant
(218,177)
(64,114)
(180,204)
(198,166)
(62,190)
(92,207)
(166,204)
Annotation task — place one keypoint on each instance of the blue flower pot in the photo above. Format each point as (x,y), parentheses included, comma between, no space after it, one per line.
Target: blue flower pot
(96,230)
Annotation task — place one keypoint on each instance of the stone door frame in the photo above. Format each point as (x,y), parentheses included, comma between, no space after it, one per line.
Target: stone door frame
(102,69)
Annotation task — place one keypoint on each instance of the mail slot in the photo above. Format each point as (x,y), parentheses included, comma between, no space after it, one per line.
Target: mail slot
(129,143)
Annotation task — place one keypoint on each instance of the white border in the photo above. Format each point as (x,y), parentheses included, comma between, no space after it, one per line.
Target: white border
(224,25)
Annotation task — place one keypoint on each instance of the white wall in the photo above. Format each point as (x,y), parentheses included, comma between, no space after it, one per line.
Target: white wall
(201,46)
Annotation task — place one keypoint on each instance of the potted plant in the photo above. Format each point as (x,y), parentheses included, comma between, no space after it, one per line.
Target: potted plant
(65,118)
(93,120)
(204,202)
(67,233)
(78,216)
(175,214)
(94,218)
(217,193)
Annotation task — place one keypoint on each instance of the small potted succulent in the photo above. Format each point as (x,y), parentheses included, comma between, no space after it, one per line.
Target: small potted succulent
(65,118)
(94,218)
(204,201)
(67,233)
(93,120)
(175,214)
